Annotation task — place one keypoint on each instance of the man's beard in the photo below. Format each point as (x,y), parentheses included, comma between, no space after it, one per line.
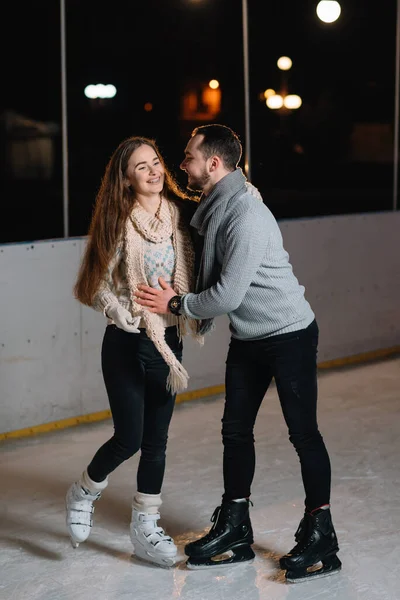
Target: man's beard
(199,183)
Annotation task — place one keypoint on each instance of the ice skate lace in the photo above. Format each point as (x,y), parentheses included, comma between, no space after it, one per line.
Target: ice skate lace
(305,530)
(300,529)
(217,527)
(153,533)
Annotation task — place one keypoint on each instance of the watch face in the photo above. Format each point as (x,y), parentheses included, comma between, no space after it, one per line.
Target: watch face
(175,304)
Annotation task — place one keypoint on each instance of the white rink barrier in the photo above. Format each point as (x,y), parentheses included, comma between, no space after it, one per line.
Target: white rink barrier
(50,344)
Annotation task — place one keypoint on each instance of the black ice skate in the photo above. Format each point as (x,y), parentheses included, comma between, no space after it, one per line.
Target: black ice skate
(316,543)
(231,533)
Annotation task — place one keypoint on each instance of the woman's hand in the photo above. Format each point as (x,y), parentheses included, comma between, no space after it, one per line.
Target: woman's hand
(122,318)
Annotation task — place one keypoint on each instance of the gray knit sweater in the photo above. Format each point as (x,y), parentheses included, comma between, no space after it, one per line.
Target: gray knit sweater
(251,278)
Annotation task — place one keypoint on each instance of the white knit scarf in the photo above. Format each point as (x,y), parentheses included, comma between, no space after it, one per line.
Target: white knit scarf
(140,226)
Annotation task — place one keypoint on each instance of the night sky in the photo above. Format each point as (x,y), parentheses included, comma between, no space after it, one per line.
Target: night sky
(150,50)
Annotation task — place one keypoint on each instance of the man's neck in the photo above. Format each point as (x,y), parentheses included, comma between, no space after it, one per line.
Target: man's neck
(207,190)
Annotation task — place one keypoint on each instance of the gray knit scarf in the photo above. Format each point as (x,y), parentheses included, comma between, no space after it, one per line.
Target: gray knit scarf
(207,220)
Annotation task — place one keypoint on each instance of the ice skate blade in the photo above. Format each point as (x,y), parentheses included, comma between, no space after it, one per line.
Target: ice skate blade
(217,564)
(165,563)
(324,571)
(235,556)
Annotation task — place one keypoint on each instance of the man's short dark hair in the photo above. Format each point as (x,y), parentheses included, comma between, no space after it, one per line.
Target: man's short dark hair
(221,141)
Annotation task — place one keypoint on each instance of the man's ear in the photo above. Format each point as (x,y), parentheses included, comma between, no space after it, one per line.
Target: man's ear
(215,162)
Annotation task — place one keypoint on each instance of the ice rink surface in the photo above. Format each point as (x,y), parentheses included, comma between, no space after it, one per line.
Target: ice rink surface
(359,417)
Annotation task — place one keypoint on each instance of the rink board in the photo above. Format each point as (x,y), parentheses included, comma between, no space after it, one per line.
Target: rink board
(50,344)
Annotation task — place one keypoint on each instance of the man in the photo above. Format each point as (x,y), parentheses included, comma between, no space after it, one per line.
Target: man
(245,272)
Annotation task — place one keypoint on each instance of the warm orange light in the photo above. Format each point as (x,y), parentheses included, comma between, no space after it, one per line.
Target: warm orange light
(214,84)
(201,103)
(269,92)
(148,107)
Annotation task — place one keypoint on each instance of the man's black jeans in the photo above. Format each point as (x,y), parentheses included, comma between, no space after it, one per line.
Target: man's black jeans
(290,358)
(135,375)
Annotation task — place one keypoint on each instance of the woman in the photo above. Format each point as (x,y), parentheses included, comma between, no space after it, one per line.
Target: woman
(139,232)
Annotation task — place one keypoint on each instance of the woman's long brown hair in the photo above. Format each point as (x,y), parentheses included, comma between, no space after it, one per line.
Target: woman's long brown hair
(113,206)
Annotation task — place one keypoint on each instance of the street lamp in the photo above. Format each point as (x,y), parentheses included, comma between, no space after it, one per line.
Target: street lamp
(328,11)
(289,102)
(284,63)
(282,100)
(274,102)
(100,91)
(292,101)
(269,92)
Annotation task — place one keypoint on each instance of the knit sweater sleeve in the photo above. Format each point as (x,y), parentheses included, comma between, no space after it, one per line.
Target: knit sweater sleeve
(245,248)
(105,295)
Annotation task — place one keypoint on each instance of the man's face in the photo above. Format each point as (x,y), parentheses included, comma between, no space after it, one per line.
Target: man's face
(196,166)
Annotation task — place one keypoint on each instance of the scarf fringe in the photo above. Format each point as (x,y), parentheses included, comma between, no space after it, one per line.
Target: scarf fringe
(178,378)
(206,326)
(188,326)
(200,340)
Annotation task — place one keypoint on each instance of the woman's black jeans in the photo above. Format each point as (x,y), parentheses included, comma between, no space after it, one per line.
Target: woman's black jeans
(135,376)
(290,358)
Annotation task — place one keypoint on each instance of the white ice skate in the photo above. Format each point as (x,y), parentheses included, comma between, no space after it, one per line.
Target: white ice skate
(79,506)
(150,541)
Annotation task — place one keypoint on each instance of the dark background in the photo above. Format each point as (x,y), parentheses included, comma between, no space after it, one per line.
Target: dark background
(333,155)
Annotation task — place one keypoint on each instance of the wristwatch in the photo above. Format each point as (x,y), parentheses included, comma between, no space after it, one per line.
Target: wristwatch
(175,305)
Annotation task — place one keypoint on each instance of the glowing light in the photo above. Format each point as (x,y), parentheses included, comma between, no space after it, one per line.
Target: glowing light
(148,107)
(284,63)
(111,90)
(90,91)
(292,101)
(269,92)
(328,11)
(100,91)
(214,84)
(275,102)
